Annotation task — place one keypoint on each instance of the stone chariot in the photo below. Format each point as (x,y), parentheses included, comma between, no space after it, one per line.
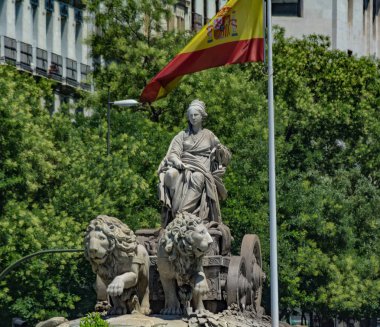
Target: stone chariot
(190,255)
(231,279)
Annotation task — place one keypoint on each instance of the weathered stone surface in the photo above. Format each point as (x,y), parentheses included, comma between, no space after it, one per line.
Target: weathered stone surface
(231,317)
(179,262)
(138,320)
(195,160)
(65,324)
(228,318)
(53,322)
(120,262)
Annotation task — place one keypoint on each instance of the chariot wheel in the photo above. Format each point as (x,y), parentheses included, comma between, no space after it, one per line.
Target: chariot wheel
(237,283)
(251,251)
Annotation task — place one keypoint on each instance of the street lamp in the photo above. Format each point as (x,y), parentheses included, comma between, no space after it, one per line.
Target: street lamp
(120,103)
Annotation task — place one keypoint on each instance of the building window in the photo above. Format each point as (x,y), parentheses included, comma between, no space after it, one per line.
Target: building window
(49,6)
(49,32)
(205,12)
(376,8)
(34,3)
(35,17)
(64,37)
(170,23)
(63,10)
(78,16)
(197,22)
(78,41)
(217,5)
(180,13)
(292,8)
(365,4)
(350,12)
(78,4)
(180,24)
(19,20)
(3,12)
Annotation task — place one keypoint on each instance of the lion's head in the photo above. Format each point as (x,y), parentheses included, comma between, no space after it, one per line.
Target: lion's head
(108,240)
(186,240)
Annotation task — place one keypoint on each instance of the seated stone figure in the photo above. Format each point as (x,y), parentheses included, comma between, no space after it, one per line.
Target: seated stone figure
(191,172)
(120,262)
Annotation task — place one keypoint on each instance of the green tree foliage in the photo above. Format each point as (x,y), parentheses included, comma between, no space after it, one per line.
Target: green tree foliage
(330,243)
(133,44)
(56,177)
(29,169)
(93,320)
(328,119)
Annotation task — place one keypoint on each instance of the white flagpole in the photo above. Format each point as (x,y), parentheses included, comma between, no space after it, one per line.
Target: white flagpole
(272,179)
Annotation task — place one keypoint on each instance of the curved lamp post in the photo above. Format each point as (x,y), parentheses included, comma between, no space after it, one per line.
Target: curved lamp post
(16,263)
(120,103)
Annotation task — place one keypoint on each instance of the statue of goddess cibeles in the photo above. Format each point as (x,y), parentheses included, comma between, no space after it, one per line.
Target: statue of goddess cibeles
(190,175)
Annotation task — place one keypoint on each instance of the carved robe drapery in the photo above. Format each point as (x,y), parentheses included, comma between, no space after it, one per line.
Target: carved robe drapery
(199,186)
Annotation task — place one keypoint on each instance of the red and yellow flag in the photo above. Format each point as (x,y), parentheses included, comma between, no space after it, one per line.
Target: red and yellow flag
(234,35)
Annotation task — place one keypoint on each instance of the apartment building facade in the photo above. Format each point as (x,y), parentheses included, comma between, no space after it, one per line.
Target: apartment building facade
(45,38)
(352,25)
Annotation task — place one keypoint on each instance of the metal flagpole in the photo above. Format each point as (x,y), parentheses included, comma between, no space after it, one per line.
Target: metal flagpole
(272,178)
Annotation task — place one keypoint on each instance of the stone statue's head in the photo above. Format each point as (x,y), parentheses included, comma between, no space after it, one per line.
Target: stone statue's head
(199,106)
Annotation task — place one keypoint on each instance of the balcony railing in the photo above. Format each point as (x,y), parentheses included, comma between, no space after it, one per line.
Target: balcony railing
(85,70)
(197,22)
(26,56)
(10,50)
(42,62)
(55,69)
(71,72)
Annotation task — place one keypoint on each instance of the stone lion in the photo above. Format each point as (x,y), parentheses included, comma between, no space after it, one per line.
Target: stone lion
(120,262)
(179,262)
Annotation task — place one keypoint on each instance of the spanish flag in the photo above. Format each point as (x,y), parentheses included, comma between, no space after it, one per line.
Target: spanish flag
(234,35)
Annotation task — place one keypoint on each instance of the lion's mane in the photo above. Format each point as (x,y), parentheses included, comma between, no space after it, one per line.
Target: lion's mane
(122,242)
(177,242)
